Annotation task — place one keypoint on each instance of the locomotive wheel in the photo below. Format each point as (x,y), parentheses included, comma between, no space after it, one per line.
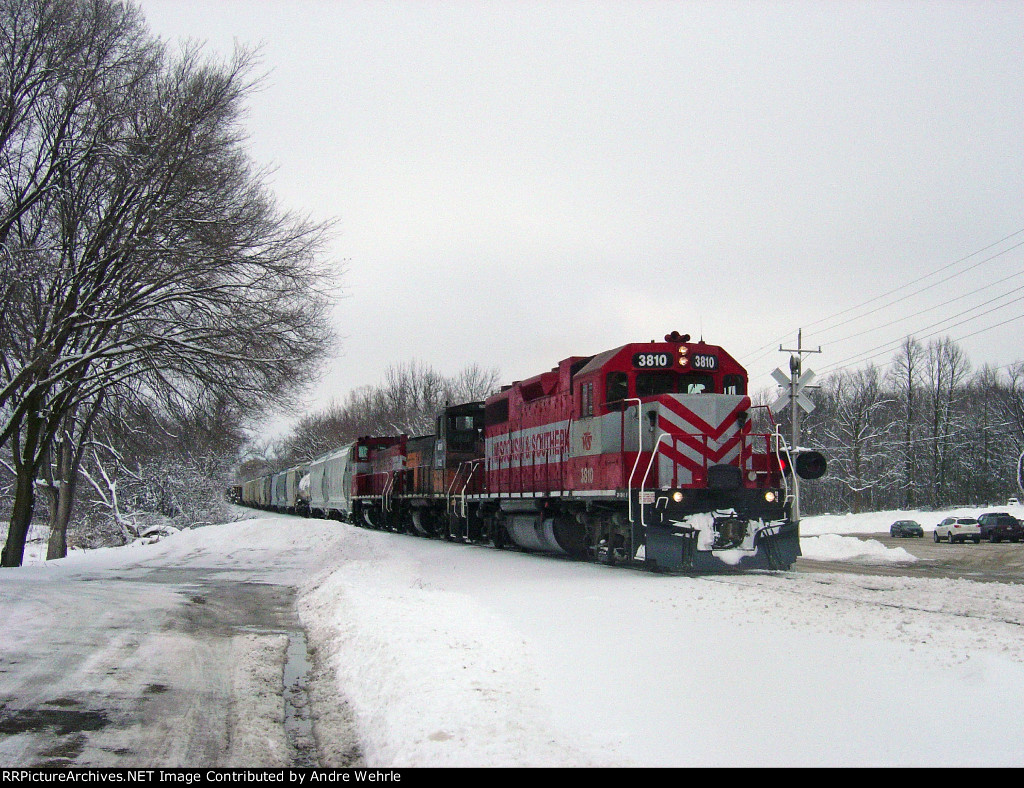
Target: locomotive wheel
(425,523)
(474,529)
(606,551)
(499,536)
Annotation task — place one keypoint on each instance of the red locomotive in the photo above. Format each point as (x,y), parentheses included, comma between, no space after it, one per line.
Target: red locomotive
(642,454)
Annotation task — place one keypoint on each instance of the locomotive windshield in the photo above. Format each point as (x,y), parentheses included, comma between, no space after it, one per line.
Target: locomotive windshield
(651,383)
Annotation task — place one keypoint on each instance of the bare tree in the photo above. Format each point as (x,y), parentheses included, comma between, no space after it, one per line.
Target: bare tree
(1013,406)
(858,430)
(946,369)
(162,263)
(905,374)
(475,383)
(408,401)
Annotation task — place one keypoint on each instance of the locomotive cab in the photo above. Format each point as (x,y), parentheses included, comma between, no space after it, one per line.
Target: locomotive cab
(644,372)
(459,449)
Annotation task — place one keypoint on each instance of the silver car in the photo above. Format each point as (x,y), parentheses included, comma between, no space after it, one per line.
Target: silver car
(958,529)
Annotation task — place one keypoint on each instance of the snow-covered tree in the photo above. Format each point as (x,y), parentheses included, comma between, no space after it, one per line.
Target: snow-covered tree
(141,250)
(905,378)
(858,431)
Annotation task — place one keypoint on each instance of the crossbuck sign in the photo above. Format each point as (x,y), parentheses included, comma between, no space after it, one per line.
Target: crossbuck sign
(789,391)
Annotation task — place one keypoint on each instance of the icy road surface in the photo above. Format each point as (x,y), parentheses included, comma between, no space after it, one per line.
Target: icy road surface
(169,655)
(433,654)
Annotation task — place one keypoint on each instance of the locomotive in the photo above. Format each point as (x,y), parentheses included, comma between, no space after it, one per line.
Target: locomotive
(644,455)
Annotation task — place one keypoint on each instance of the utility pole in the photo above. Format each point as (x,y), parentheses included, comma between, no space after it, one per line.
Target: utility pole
(797,381)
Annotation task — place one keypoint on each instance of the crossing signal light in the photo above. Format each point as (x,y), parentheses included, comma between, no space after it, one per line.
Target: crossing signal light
(811,464)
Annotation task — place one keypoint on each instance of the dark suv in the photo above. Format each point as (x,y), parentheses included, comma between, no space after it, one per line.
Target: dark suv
(997,526)
(906,528)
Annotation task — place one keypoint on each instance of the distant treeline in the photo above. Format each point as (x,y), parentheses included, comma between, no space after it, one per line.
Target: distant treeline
(923,432)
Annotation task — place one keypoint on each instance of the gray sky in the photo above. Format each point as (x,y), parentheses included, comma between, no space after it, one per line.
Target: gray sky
(518,182)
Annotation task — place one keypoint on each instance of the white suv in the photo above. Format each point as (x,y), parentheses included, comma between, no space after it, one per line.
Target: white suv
(958,529)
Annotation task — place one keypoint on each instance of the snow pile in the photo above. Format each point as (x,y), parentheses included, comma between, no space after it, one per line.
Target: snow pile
(433,677)
(832,547)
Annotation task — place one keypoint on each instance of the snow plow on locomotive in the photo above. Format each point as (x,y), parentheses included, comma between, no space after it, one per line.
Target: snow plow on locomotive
(644,455)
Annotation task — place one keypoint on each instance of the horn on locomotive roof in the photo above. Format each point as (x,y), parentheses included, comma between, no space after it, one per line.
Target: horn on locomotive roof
(675,336)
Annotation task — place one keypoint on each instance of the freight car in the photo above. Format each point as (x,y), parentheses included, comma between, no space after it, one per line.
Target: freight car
(644,454)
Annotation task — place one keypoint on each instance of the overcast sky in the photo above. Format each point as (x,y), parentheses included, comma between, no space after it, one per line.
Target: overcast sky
(518,182)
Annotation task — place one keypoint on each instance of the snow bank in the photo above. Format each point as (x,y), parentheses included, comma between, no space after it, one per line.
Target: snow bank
(432,677)
(832,547)
(879,522)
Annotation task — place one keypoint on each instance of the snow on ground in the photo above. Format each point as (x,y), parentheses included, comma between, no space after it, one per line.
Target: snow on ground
(454,655)
(479,657)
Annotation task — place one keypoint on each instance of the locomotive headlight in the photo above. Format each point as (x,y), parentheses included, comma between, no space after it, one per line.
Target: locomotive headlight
(682,356)
(770,496)
(677,496)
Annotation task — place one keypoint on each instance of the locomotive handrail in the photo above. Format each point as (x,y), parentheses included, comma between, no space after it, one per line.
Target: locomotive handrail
(455,478)
(654,453)
(566,444)
(639,448)
(386,493)
(449,494)
(469,477)
(781,445)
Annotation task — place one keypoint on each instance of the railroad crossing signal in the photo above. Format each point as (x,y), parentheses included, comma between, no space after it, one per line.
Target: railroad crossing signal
(791,389)
(797,401)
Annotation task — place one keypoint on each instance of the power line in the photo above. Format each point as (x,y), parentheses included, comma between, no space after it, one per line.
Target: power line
(890,346)
(937,306)
(761,351)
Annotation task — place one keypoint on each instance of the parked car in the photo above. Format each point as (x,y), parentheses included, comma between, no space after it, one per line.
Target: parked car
(1013,502)
(958,529)
(999,526)
(904,528)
